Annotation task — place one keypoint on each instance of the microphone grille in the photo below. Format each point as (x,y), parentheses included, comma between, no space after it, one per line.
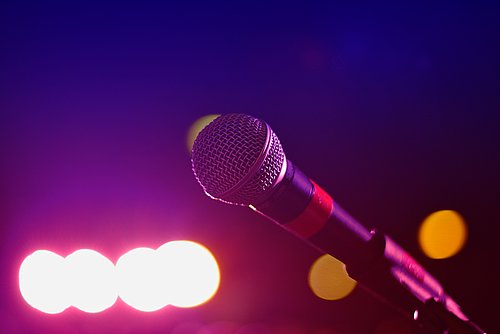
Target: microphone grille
(237,159)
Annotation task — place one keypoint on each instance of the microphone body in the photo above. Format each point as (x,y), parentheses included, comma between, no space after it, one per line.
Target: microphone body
(302,207)
(239,160)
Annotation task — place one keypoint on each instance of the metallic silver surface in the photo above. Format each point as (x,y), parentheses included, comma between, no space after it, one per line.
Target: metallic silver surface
(237,159)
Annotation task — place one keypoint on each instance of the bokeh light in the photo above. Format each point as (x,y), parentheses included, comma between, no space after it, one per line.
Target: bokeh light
(91,281)
(180,273)
(442,234)
(42,282)
(142,282)
(193,272)
(328,278)
(196,127)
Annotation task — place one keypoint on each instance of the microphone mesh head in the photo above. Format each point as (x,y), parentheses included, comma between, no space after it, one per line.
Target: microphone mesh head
(237,159)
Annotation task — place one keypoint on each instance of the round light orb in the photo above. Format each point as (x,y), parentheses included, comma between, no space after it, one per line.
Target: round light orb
(141,281)
(43,282)
(193,272)
(328,278)
(442,234)
(91,277)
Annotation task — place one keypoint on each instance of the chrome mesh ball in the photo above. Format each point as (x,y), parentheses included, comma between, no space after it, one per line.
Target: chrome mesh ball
(237,159)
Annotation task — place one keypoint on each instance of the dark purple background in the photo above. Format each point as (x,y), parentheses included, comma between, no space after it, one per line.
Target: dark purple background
(393,109)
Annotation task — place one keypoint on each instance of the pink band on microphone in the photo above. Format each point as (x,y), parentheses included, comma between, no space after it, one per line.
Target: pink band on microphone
(315,216)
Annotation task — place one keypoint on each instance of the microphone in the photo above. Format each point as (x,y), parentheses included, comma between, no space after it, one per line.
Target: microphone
(239,160)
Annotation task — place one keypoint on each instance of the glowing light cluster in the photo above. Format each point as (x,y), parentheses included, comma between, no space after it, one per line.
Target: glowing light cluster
(442,234)
(328,279)
(179,273)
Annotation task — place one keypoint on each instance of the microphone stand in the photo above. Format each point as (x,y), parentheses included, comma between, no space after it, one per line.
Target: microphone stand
(372,258)
(437,313)
(435,318)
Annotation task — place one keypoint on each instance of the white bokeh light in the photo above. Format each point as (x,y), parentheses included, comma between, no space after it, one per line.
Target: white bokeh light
(141,282)
(42,282)
(180,273)
(91,281)
(194,275)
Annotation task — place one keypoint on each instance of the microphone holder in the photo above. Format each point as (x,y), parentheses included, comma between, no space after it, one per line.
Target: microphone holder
(433,310)
(433,317)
